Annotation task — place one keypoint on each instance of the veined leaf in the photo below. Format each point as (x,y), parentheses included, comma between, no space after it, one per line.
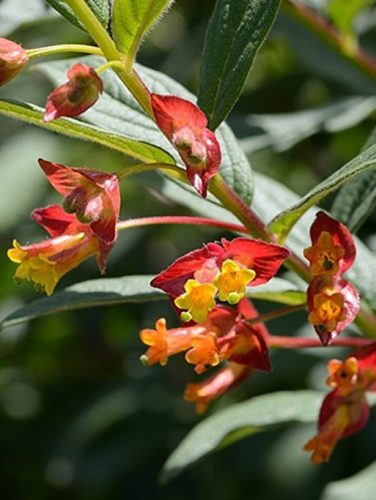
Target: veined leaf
(73,128)
(101,9)
(361,486)
(356,199)
(240,420)
(284,222)
(91,293)
(235,33)
(131,19)
(117,111)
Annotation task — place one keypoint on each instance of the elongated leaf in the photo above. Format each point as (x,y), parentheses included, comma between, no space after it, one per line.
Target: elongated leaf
(101,9)
(283,223)
(116,111)
(361,486)
(231,424)
(356,199)
(283,130)
(73,128)
(131,19)
(90,293)
(278,290)
(235,33)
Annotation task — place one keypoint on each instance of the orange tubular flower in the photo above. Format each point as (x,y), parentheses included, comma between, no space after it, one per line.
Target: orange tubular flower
(225,335)
(78,94)
(12,60)
(332,307)
(203,393)
(46,262)
(345,410)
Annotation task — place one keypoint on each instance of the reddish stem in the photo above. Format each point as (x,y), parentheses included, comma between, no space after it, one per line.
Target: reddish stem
(180,219)
(284,342)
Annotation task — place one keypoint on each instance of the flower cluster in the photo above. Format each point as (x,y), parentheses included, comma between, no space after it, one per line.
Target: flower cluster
(225,335)
(84,226)
(332,301)
(345,410)
(216,332)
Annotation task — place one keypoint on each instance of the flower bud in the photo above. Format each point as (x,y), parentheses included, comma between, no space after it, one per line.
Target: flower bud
(12,59)
(75,96)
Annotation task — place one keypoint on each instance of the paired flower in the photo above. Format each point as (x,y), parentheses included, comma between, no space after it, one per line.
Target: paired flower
(224,336)
(78,94)
(93,201)
(12,60)
(333,302)
(185,125)
(345,410)
(222,270)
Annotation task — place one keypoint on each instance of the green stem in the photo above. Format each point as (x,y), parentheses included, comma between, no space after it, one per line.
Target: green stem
(178,219)
(229,199)
(109,65)
(110,52)
(63,48)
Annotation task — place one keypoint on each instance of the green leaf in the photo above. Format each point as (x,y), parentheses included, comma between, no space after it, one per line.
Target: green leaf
(343,13)
(116,111)
(131,19)
(13,14)
(361,486)
(283,130)
(101,9)
(278,290)
(235,33)
(283,223)
(74,128)
(231,424)
(91,293)
(356,199)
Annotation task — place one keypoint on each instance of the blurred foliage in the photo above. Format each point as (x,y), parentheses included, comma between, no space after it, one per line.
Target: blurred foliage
(80,417)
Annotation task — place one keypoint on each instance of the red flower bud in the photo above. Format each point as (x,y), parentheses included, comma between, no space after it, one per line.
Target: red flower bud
(76,96)
(12,59)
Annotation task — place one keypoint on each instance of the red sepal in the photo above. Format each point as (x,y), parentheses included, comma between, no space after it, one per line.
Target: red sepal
(57,222)
(264,258)
(185,125)
(341,237)
(350,308)
(97,190)
(75,96)
(12,59)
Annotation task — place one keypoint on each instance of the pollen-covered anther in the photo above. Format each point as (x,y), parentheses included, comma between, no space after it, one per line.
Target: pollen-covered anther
(232,281)
(328,311)
(198,300)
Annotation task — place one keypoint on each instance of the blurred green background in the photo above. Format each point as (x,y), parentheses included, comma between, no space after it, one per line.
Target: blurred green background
(80,417)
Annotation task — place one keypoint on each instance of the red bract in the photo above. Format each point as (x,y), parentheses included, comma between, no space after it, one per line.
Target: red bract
(12,59)
(223,270)
(332,306)
(93,196)
(75,96)
(345,410)
(185,125)
(333,250)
